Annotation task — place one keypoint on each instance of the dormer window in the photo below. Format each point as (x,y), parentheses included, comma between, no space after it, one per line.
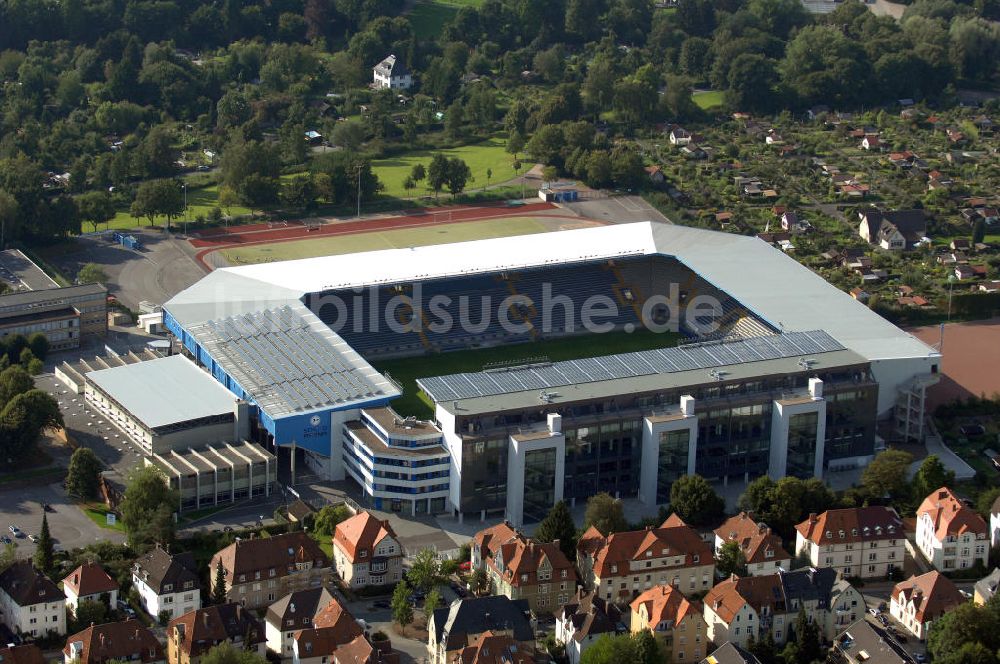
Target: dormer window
(362,554)
(854,532)
(271,572)
(256,575)
(168,587)
(649,554)
(842,534)
(829,535)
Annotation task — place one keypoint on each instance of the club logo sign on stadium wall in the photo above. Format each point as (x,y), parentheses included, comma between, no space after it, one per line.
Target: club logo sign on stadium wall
(316,428)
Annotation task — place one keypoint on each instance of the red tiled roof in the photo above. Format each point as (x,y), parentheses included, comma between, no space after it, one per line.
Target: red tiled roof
(25,654)
(490,539)
(278,552)
(665,603)
(199,630)
(362,532)
(932,594)
(949,515)
(855,524)
(756,539)
(673,538)
(730,595)
(521,556)
(126,640)
(89,579)
(493,648)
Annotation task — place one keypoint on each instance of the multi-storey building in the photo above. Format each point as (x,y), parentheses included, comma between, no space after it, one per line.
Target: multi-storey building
(486,543)
(619,566)
(167,582)
(30,603)
(492,648)
(761,548)
(90,583)
(522,568)
(864,643)
(125,641)
(259,571)
(63,315)
(455,627)
(334,637)
(674,620)
(366,552)
(986,587)
(950,534)
(920,600)
(739,608)
(583,620)
(290,614)
(196,632)
(399,462)
(863,542)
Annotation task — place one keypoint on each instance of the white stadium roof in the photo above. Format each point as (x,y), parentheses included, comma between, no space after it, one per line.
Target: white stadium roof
(769,283)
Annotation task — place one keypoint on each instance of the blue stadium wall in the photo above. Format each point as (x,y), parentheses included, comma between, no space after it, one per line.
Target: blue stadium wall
(310,430)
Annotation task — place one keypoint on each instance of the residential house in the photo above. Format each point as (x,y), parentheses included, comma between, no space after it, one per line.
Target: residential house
(487,542)
(761,547)
(791,223)
(196,632)
(334,635)
(655,174)
(622,565)
(963,272)
(391,74)
(167,582)
(27,653)
(903,159)
(299,511)
(986,587)
(865,643)
(679,136)
(960,244)
(871,142)
(454,627)
(892,230)
(676,622)
(990,287)
(859,294)
(258,571)
(920,600)
(730,653)
(293,612)
(583,620)
(955,136)
(30,604)
(950,534)
(540,573)
(774,138)
(366,552)
(497,648)
(740,607)
(125,641)
(90,583)
(863,542)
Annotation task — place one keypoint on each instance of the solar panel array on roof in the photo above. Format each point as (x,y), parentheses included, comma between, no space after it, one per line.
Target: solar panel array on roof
(285,364)
(627,365)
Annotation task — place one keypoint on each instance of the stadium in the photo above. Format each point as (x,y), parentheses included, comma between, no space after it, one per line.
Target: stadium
(552,366)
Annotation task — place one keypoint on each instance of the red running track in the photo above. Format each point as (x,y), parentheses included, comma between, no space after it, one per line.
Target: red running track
(263,233)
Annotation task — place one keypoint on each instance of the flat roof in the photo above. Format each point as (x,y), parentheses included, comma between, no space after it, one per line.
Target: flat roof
(17,302)
(610,388)
(377,446)
(772,285)
(290,362)
(164,391)
(712,356)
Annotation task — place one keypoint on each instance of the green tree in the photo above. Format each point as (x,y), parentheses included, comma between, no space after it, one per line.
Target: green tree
(147,509)
(90,612)
(437,173)
(886,474)
(14,380)
(258,191)
(22,421)
(402,610)
(459,174)
(219,585)
(84,474)
(45,549)
(808,640)
(425,572)
(605,513)
(931,476)
(731,560)
(558,526)
(647,649)
(611,649)
(92,273)
(96,207)
(695,501)
(966,623)
(752,80)
(418,172)
(326,519)
(479,582)
(39,345)
(348,135)
(227,653)
(515,144)
(156,198)
(431,603)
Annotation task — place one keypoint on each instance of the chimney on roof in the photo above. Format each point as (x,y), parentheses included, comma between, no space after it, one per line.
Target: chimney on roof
(813,517)
(204,619)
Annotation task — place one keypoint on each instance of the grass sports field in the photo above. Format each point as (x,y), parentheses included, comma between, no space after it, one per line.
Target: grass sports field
(708,99)
(406,371)
(481,156)
(406,237)
(428,16)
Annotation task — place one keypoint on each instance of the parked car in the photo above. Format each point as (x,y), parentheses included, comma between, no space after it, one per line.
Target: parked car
(972,430)
(14,530)
(124,607)
(33,538)
(874,612)
(382,604)
(882,619)
(6,540)
(920,658)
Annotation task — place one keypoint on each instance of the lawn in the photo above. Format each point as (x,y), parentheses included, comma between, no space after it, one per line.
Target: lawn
(407,237)
(405,371)
(200,202)
(428,16)
(481,156)
(97,512)
(708,99)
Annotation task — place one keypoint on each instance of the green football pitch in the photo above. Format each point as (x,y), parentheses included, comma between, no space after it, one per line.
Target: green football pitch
(405,371)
